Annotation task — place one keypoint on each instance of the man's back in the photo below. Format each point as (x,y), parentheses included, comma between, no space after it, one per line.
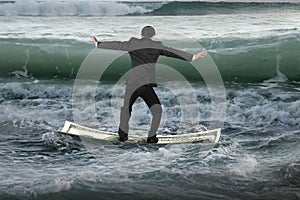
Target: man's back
(144,54)
(144,51)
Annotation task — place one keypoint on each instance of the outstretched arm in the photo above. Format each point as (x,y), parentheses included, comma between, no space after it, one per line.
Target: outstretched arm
(115,45)
(175,53)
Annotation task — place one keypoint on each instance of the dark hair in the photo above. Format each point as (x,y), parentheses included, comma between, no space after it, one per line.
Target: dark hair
(148,31)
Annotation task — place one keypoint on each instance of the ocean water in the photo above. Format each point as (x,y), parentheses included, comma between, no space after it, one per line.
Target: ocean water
(255,47)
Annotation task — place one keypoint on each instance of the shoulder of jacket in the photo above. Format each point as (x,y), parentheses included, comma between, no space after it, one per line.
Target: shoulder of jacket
(133,38)
(158,43)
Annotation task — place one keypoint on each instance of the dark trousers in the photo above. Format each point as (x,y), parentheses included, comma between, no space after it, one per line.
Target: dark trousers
(147,93)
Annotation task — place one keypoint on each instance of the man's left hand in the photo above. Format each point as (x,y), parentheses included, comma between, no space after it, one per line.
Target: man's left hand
(94,39)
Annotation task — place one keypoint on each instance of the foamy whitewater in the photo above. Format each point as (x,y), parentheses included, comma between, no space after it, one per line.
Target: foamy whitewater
(255,47)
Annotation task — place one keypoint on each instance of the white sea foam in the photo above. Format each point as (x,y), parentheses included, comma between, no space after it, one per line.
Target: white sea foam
(245,166)
(30,105)
(42,105)
(62,184)
(264,107)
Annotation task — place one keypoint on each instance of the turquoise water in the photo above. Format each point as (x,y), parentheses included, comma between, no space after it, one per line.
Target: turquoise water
(253,45)
(51,40)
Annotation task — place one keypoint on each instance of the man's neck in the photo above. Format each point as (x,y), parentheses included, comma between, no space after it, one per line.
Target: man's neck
(152,38)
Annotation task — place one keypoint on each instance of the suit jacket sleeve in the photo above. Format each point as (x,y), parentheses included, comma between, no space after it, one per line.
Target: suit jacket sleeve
(114,45)
(175,53)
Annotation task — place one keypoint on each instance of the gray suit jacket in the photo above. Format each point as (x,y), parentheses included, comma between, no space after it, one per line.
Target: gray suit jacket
(144,54)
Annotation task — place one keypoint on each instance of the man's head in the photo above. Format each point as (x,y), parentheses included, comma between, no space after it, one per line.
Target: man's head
(148,32)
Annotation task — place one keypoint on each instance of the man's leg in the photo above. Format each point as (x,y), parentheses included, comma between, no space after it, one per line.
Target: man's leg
(152,101)
(131,94)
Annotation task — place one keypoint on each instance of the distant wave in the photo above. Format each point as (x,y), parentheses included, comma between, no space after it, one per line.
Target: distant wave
(204,8)
(95,8)
(68,8)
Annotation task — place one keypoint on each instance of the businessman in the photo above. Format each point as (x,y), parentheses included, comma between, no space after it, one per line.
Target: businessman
(144,53)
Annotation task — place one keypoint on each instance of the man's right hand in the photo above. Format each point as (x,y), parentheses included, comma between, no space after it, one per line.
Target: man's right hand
(199,55)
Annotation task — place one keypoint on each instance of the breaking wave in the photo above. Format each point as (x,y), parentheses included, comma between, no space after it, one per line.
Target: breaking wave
(96,8)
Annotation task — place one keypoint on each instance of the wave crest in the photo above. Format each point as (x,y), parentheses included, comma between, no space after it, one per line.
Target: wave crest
(68,8)
(96,8)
